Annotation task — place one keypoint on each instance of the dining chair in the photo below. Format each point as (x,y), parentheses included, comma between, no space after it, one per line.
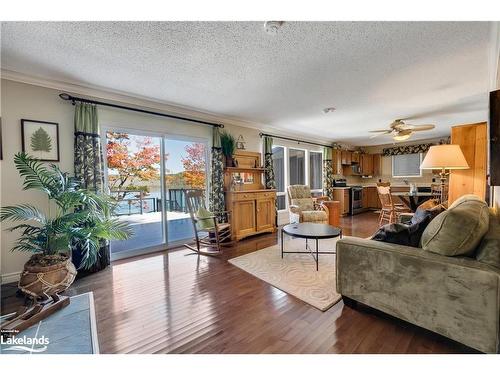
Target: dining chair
(389,212)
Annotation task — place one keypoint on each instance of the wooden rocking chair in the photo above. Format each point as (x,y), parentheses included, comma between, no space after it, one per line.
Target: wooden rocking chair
(214,235)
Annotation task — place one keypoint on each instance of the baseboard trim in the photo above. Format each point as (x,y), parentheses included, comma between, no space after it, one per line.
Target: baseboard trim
(10,277)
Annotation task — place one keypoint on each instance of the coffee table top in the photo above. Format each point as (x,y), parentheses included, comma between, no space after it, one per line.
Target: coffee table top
(312,230)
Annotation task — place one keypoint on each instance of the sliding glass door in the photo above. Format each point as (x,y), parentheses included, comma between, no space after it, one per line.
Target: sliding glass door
(148,174)
(185,169)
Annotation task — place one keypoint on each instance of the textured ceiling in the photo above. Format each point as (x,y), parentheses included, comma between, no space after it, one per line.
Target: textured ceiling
(372,72)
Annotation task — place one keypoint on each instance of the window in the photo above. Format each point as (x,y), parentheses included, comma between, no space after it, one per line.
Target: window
(297,166)
(279,175)
(316,170)
(407,165)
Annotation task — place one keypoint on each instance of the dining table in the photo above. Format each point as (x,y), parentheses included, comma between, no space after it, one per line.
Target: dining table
(413,200)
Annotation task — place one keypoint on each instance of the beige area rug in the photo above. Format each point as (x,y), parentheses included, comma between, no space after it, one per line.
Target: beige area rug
(296,274)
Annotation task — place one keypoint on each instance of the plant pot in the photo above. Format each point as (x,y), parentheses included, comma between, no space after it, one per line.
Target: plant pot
(230,161)
(46,275)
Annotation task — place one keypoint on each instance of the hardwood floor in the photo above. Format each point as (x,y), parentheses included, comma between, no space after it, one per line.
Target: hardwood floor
(178,302)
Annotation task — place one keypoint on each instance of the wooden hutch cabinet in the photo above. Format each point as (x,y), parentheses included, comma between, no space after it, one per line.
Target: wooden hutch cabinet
(252,207)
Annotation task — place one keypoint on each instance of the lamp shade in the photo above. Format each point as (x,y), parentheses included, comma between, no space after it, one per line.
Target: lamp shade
(444,157)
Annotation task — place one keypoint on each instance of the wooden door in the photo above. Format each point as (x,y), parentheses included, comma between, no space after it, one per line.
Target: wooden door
(345,157)
(265,214)
(244,218)
(473,142)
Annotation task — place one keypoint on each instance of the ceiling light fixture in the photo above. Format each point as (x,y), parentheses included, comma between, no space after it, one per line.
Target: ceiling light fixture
(329,109)
(272,27)
(401,137)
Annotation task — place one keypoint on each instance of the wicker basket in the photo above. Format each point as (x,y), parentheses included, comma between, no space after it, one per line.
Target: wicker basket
(44,281)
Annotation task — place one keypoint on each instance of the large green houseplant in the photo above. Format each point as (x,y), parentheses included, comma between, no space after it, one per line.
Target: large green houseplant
(72,218)
(228,147)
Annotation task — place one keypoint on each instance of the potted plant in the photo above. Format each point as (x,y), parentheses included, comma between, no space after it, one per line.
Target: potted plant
(73,218)
(228,146)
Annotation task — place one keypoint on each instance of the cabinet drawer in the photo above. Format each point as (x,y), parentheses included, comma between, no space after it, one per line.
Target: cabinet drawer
(245,196)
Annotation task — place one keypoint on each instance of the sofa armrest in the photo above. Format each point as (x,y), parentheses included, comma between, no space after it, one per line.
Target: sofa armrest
(457,297)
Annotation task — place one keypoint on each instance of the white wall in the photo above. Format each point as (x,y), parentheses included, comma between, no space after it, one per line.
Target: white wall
(20,100)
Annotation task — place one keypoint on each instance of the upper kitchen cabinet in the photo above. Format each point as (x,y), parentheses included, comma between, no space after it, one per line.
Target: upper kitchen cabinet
(346,157)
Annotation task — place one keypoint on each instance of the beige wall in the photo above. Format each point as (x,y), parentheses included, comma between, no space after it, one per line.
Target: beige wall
(19,100)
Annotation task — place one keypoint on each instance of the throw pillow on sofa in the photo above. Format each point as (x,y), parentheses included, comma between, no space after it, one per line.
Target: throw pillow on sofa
(402,234)
(458,230)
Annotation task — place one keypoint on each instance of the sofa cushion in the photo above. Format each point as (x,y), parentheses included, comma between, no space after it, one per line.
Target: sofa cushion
(458,230)
(489,249)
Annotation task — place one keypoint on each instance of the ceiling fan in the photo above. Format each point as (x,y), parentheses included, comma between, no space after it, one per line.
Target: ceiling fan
(401,131)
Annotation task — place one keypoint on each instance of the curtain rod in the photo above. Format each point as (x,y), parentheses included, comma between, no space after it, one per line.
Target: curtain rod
(73,99)
(293,140)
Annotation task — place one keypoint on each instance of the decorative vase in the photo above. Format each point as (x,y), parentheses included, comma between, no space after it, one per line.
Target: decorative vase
(46,275)
(229,161)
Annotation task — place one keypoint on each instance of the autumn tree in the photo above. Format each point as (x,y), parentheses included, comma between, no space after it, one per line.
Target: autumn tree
(132,158)
(194,165)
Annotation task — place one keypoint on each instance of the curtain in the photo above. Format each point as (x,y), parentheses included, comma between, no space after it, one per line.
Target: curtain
(89,170)
(216,198)
(408,149)
(269,181)
(88,152)
(327,172)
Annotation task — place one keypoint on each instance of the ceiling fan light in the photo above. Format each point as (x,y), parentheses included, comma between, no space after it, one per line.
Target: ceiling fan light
(401,137)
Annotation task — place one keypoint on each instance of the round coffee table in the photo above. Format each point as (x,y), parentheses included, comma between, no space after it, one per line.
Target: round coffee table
(310,231)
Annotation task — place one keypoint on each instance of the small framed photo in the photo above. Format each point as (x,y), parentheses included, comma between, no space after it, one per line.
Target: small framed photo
(40,139)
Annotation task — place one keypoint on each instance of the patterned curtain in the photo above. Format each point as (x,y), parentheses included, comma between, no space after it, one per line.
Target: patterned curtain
(409,149)
(328,172)
(216,199)
(89,170)
(88,152)
(269,180)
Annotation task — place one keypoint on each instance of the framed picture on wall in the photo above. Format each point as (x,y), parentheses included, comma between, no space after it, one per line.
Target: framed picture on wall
(40,139)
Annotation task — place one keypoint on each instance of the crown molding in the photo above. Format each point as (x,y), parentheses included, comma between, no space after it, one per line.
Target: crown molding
(98,92)
(120,97)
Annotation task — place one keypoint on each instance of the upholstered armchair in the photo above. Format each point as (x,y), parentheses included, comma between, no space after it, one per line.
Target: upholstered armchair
(302,207)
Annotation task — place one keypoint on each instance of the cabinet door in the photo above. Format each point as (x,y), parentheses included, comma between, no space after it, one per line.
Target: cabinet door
(366,164)
(377,165)
(265,214)
(346,202)
(355,157)
(346,157)
(244,218)
(365,201)
(337,162)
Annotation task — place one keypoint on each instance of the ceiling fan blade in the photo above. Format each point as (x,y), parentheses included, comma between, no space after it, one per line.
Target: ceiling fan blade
(384,133)
(379,131)
(419,128)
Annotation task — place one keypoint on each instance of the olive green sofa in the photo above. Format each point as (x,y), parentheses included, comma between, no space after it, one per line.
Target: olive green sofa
(449,285)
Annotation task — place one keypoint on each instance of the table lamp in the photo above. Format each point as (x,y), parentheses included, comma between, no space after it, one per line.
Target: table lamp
(446,158)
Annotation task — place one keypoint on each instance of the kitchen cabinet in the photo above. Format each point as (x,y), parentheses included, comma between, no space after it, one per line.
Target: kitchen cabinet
(342,195)
(346,157)
(377,165)
(371,195)
(355,157)
(337,161)
(366,164)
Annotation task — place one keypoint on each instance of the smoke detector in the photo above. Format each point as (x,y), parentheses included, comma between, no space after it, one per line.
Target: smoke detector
(329,110)
(272,27)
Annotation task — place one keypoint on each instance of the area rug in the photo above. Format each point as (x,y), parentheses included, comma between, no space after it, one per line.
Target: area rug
(71,330)
(296,274)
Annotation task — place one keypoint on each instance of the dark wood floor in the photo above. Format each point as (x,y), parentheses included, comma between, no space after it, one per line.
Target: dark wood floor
(178,302)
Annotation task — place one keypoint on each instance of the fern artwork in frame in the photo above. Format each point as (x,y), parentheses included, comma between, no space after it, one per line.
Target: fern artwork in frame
(40,139)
